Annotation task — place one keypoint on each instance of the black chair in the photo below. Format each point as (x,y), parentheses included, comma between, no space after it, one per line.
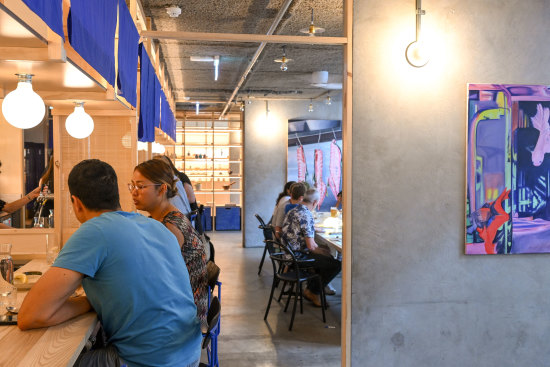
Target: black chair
(267,230)
(288,269)
(210,341)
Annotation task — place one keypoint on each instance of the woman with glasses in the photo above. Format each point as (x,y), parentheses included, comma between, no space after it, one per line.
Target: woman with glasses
(152,186)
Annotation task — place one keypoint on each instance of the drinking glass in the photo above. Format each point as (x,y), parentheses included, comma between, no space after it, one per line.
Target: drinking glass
(51,251)
(333,211)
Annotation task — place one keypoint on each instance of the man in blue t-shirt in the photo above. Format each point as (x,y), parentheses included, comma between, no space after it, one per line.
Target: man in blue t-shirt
(133,274)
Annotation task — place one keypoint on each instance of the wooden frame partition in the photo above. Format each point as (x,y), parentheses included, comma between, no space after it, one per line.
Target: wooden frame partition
(347,140)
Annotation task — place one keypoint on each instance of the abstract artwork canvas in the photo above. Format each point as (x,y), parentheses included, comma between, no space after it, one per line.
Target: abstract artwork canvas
(508,169)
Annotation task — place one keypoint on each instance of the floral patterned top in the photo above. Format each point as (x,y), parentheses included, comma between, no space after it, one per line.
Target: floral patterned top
(195,259)
(297,226)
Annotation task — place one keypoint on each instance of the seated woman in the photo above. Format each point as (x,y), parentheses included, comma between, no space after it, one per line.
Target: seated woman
(152,187)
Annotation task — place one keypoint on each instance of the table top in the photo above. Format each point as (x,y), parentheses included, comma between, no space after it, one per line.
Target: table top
(57,345)
(328,231)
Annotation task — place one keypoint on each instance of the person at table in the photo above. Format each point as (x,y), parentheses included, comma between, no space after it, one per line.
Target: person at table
(338,204)
(299,234)
(8,208)
(297,191)
(284,197)
(152,187)
(132,272)
(182,199)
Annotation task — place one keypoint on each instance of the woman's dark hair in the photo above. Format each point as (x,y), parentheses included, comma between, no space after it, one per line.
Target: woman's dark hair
(95,183)
(177,173)
(159,172)
(285,191)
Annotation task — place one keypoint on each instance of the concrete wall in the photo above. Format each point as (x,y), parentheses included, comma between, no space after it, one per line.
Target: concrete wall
(417,300)
(265,152)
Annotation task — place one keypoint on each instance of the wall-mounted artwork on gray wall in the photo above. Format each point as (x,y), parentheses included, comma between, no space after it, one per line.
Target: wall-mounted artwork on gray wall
(508,169)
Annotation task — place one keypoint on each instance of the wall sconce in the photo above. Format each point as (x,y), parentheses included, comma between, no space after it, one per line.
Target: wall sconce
(266,110)
(310,107)
(79,124)
(417,52)
(22,107)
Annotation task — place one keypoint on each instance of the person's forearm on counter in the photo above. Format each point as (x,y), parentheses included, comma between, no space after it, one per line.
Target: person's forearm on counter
(72,307)
(48,302)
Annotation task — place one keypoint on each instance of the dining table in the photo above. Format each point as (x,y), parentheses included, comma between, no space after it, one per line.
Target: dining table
(328,230)
(54,346)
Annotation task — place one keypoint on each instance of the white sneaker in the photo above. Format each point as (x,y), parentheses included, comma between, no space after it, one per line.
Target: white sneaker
(329,290)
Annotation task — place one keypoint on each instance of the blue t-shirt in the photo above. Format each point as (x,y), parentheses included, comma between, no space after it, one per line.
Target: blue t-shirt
(137,282)
(289,207)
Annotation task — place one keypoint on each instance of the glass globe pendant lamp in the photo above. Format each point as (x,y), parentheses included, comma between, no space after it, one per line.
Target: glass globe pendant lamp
(79,124)
(22,107)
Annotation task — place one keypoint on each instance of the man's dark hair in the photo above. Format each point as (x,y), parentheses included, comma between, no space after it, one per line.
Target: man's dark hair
(297,189)
(95,183)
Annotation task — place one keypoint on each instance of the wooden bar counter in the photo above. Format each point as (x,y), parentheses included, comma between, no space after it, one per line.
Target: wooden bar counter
(58,345)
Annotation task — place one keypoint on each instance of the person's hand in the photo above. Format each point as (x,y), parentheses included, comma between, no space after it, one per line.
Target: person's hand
(34,193)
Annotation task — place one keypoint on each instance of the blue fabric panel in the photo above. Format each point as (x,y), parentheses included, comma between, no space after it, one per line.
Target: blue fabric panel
(158,101)
(128,42)
(51,12)
(146,128)
(92,26)
(228,219)
(206,219)
(164,108)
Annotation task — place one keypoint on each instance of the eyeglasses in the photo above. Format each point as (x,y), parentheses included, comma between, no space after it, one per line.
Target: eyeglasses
(132,187)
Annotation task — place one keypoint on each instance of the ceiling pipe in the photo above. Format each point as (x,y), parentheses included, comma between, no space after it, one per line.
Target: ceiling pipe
(257,54)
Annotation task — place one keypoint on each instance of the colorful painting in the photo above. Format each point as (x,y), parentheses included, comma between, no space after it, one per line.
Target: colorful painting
(508,169)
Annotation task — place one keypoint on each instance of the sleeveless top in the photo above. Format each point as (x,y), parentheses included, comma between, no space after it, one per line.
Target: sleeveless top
(195,259)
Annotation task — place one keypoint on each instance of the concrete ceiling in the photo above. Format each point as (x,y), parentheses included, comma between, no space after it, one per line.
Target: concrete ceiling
(196,79)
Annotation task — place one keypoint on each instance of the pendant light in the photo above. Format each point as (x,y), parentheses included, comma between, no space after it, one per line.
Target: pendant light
(328,100)
(22,107)
(79,124)
(312,30)
(310,107)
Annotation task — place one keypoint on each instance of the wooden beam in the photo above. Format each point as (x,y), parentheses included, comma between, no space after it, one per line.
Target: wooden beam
(237,37)
(66,112)
(55,52)
(64,95)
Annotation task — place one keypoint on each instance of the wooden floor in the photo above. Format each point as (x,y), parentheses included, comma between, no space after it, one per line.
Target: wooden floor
(246,339)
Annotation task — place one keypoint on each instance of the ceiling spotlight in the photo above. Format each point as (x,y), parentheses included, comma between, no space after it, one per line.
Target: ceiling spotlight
(328,100)
(173,11)
(312,30)
(283,60)
(310,107)
(197,108)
